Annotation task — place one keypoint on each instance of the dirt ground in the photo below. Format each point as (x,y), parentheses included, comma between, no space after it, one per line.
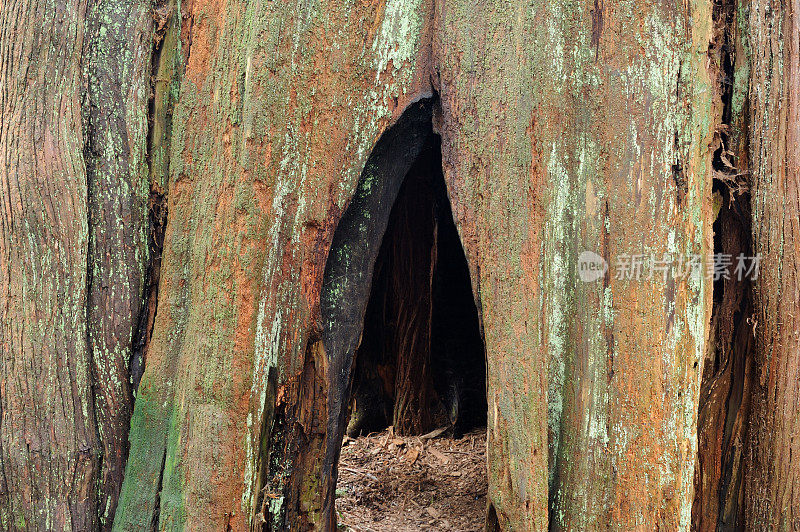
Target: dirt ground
(430,482)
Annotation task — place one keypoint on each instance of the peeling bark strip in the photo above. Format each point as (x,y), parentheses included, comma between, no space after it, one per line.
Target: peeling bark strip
(74,189)
(116,64)
(772,499)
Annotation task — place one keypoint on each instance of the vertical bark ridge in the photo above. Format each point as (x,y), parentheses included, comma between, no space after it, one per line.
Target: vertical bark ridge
(116,69)
(49,447)
(619,130)
(773,448)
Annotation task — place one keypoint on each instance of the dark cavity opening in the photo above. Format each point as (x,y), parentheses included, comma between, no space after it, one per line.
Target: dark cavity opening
(403,345)
(420,364)
(397,300)
(400,329)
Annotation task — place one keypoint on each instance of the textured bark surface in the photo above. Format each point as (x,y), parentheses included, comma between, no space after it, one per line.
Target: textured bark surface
(116,68)
(591,136)
(773,472)
(278,136)
(50,448)
(74,188)
(594,131)
(595,138)
(278,108)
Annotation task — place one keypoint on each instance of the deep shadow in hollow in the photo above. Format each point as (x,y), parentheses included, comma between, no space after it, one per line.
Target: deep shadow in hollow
(348,275)
(347,284)
(420,364)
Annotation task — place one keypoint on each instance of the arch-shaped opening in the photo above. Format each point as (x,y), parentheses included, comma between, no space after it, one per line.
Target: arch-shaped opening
(420,364)
(400,328)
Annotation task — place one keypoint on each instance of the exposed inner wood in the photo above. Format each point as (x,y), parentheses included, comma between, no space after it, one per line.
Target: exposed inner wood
(420,364)
(725,394)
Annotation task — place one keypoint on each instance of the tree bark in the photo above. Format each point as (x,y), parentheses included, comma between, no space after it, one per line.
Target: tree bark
(48,434)
(598,142)
(116,69)
(773,449)
(266,162)
(230,401)
(74,191)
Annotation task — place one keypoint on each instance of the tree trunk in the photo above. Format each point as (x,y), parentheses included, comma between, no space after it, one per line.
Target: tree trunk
(772,500)
(74,192)
(194,198)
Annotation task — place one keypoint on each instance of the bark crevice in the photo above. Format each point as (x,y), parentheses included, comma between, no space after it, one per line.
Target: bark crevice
(159,122)
(724,403)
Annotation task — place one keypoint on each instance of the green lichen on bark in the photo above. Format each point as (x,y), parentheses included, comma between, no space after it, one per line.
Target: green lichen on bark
(74,230)
(251,165)
(610,190)
(115,68)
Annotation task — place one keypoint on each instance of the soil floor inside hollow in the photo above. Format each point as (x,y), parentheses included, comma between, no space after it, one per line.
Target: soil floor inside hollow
(388,482)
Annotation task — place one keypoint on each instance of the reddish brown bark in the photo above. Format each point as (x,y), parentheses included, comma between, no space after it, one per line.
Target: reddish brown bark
(49,446)
(773,450)
(74,189)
